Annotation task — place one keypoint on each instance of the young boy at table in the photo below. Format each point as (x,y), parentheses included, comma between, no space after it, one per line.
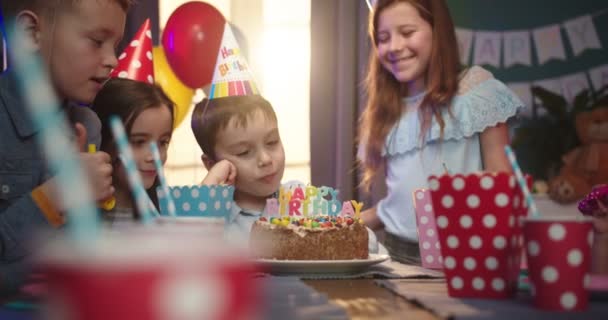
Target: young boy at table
(242,131)
(76,42)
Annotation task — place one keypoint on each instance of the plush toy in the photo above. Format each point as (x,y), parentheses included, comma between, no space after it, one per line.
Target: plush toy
(586,165)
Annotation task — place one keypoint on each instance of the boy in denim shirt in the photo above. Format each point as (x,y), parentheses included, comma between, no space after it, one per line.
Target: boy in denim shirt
(76,41)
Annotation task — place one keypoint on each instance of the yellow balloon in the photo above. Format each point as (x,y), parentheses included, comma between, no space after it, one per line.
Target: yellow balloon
(178,92)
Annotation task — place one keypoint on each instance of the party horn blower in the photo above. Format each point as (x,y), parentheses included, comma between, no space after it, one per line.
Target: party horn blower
(141,199)
(161,177)
(109,203)
(54,137)
(521,181)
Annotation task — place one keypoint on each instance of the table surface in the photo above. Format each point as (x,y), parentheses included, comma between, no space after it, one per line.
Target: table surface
(363,299)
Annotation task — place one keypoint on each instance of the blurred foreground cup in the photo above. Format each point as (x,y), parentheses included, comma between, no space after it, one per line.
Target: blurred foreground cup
(151,273)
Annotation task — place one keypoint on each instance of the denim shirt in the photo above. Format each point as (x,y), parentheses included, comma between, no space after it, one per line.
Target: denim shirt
(23,168)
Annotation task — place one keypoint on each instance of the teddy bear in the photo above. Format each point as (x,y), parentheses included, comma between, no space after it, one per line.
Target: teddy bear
(586,165)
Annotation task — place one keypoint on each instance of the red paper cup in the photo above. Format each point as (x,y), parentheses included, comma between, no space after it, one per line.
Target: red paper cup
(477,220)
(428,240)
(558,251)
(149,274)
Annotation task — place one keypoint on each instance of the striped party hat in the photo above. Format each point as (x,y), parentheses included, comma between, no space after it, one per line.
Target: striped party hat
(232,76)
(135,62)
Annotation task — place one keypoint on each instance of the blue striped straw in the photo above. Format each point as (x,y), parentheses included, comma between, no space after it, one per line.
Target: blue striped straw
(142,201)
(161,177)
(54,137)
(522,182)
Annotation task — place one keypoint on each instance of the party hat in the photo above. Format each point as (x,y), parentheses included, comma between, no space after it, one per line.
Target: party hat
(135,62)
(232,76)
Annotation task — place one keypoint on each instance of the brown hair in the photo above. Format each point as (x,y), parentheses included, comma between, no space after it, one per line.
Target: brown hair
(127,99)
(211,116)
(384,105)
(10,8)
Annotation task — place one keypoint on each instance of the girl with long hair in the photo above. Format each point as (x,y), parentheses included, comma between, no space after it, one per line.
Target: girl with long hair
(424,113)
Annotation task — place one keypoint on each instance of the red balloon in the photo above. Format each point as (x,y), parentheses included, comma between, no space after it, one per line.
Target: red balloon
(191,40)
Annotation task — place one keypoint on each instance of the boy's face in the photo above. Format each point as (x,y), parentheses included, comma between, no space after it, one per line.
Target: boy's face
(78,44)
(257,153)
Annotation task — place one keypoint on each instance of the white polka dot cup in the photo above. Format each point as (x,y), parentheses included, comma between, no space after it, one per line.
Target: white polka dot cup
(428,240)
(480,238)
(149,274)
(558,252)
(198,201)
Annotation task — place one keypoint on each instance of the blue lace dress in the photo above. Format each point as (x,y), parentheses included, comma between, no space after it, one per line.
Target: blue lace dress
(481,102)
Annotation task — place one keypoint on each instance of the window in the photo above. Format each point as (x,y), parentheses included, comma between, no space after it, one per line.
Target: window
(277,36)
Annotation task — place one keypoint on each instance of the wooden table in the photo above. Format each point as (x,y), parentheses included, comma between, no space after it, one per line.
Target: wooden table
(363,299)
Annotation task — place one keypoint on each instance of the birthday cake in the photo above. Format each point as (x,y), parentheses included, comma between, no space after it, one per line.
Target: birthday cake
(310,225)
(318,238)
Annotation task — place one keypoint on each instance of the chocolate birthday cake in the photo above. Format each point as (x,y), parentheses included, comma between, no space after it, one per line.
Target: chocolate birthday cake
(309,238)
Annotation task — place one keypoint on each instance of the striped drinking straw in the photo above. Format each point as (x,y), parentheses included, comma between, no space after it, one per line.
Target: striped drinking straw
(161,177)
(142,201)
(54,137)
(522,182)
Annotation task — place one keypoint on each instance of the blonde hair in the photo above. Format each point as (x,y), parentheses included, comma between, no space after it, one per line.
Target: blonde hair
(211,116)
(385,93)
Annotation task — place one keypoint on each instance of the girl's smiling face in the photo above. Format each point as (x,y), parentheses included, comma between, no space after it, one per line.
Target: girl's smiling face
(404,43)
(151,125)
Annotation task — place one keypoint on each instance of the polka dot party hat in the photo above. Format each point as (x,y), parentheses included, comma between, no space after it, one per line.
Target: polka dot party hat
(232,75)
(478,222)
(135,62)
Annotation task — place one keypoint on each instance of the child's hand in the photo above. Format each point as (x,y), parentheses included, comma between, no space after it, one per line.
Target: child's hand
(99,171)
(96,165)
(223,172)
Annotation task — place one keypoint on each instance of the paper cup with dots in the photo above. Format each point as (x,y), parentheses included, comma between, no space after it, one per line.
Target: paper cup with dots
(559,258)
(149,274)
(198,201)
(477,217)
(428,239)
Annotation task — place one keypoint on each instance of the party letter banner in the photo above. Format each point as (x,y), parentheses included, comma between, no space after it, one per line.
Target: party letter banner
(549,43)
(573,84)
(522,90)
(516,47)
(465,39)
(599,77)
(487,48)
(582,34)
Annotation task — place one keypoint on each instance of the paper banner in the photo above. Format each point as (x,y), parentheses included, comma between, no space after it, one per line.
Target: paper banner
(599,76)
(572,85)
(232,76)
(465,40)
(522,90)
(487,48)
(516,46)
(554,85)
(582,34)
(549,44)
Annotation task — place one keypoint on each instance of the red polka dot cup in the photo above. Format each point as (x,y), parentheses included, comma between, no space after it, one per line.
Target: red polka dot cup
(153,274)
(430,252)
(559,258)
(477,221)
